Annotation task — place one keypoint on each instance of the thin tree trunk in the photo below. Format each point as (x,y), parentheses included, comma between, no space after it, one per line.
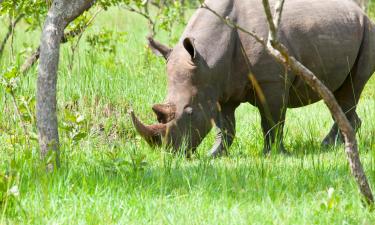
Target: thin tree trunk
(59,16)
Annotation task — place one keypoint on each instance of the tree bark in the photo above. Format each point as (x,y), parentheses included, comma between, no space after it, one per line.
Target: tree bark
(61,13)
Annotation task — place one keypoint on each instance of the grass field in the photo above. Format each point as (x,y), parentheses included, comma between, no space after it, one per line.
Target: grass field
(111,176)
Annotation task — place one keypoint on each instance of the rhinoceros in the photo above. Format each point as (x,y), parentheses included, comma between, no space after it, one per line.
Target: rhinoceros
(214,68)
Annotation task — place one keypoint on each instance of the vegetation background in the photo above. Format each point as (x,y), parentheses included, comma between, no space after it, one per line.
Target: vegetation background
(110,176)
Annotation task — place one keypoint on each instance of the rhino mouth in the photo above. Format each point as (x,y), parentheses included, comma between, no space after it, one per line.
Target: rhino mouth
(153,134)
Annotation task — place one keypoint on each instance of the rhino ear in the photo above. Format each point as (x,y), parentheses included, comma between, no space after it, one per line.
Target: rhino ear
(158,48)
(190,47)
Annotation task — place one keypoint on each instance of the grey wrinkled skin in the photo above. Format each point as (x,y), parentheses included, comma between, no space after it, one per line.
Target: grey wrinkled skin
(214,68)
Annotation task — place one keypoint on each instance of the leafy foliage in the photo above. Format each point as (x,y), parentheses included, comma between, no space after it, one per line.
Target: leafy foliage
(33,11)
(9,79)
(9,190)
(74,124)
(110,176)
(105,41)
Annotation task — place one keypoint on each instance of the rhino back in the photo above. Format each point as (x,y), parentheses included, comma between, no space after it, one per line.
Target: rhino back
(325,35)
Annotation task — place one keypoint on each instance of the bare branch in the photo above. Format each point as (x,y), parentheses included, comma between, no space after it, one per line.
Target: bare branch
(29,62)
(271,25)
(12,25)
(278,13)
(151,23)
(80,30)
(233,25)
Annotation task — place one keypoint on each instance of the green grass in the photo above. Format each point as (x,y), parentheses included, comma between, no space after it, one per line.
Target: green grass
(113,177)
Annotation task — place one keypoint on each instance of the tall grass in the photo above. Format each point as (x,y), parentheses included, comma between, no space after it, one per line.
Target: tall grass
(112,176)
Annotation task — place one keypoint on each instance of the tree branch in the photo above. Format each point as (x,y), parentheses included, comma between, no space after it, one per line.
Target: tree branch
(11,26)
(278,13)
(33,58)
(151,23)
(233,25)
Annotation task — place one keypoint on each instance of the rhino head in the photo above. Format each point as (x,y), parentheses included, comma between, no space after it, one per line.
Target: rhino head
(190,108)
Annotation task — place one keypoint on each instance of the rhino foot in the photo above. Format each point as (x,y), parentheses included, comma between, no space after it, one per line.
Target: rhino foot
(333,139)
(218,152)
(281,149)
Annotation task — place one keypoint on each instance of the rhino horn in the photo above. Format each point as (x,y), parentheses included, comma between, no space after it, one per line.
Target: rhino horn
(164,112)
(152,134)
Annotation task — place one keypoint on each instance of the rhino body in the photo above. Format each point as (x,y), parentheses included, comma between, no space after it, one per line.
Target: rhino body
(215,68)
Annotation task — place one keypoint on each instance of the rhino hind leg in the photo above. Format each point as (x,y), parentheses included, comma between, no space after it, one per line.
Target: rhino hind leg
(347,97)
(334,137)
(348,94)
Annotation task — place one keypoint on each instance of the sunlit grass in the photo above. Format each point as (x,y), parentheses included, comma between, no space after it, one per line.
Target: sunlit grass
(113,177)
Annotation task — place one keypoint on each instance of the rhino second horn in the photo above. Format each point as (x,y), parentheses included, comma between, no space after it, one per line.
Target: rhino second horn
(152,134)
(164,112)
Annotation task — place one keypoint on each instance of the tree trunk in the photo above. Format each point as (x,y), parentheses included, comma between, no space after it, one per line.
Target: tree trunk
(62,12)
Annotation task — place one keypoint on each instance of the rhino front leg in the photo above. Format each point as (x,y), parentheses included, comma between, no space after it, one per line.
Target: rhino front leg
(272,127)
(272,108)
(226,131)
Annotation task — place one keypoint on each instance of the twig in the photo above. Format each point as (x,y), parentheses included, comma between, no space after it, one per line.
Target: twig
(271,25)
(29,62)
(19,113)
(12,25)
(79,32)
(233,25)
(151,23)
(278,13)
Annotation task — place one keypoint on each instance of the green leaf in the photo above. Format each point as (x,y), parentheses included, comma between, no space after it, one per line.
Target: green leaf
(69,116)
(79,136)
(11,72)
